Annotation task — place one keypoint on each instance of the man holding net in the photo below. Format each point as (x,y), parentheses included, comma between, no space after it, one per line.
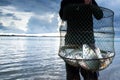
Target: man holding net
(78,14)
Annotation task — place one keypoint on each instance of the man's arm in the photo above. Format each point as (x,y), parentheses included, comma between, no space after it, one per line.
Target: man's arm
(63,3)
(94,3)
(97,12)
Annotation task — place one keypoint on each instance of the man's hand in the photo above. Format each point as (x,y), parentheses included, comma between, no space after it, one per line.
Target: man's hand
(88,1)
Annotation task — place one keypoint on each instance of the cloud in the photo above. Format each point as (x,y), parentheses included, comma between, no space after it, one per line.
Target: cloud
(9,15)
(40,16)
(4,2)
(36,6)
(43,23)
(47,17)
(25,15)
(12,18)
(2,27)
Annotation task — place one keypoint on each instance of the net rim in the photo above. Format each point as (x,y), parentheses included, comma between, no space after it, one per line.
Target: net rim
(88,59)
(107,10)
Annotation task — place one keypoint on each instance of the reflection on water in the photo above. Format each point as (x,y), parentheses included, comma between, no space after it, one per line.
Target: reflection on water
(36,58)
(31,58)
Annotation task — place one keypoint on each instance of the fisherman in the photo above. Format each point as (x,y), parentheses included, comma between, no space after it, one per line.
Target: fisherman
(78,14)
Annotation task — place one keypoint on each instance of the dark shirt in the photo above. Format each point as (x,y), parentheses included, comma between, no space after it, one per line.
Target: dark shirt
(79,20)
(67,2)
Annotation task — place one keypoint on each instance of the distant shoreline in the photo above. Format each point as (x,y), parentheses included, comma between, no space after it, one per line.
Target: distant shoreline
(20,35)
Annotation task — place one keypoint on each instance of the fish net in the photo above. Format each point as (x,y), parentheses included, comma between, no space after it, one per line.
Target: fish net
(80,46)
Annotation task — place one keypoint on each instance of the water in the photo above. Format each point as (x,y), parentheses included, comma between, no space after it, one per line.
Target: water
(30,58)
(36,58)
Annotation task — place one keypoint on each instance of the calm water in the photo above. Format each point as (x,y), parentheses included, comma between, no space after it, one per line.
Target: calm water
(36,58)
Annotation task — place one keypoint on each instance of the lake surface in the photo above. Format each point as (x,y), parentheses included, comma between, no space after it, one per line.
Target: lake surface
(36,58)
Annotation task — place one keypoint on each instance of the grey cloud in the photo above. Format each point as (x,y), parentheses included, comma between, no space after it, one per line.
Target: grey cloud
(41,26)
(6,15)
(3,27)
(41,7)
(0,13)
(9,30)
(10,15)
(4,2)
(37,26)
(36,6)
(16,18)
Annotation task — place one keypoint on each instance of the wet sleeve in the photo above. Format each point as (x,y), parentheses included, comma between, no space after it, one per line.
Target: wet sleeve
(61,9)
(94,3)
(63,4)
(97,12)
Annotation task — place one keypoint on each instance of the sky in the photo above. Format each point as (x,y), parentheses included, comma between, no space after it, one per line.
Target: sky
(41,16)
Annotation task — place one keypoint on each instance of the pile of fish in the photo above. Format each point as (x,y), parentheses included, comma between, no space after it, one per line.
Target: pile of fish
(93,59)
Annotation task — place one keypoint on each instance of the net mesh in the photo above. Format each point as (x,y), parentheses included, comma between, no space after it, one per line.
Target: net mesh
(86,40)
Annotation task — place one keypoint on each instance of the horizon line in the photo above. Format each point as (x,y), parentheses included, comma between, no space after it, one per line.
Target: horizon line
(31,35)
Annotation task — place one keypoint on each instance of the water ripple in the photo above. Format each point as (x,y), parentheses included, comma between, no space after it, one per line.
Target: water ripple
(37,59)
